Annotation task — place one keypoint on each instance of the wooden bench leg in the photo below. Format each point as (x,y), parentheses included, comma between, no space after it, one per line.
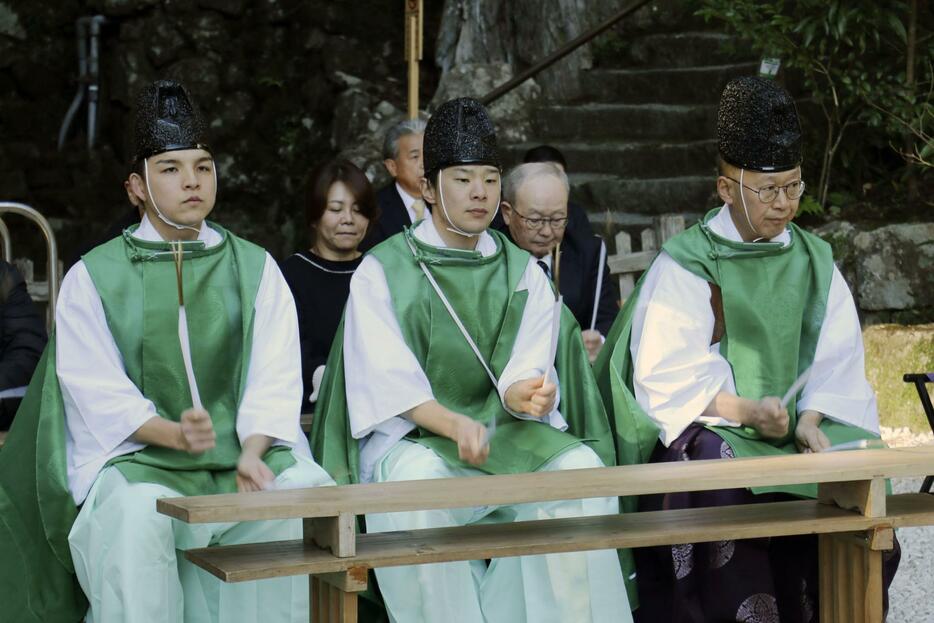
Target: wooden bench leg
(851,576)
(334,595)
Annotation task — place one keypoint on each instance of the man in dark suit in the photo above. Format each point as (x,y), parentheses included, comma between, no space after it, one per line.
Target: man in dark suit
(400,202)
(535,213)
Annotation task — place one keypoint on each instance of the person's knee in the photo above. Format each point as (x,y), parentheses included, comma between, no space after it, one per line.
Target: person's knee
(305,473)
(578,457)
(413,462)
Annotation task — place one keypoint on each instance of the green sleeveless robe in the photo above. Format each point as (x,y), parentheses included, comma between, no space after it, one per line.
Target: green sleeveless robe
(137,285)
(774,301)
(482,290)
(483,293)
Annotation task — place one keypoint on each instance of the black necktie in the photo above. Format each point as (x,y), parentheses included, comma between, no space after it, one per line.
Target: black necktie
(545,268)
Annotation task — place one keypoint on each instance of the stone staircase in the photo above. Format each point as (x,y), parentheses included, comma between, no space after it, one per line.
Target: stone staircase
(641,139)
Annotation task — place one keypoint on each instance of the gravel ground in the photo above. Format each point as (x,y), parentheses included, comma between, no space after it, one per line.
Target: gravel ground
(910,594)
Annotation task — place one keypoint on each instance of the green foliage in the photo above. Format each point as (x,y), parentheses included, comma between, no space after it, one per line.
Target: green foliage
(891,351)
(809,205)
(851,56)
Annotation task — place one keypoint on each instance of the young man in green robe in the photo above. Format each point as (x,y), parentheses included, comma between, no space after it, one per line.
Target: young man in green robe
(443,370)
(137,399)
(735,313)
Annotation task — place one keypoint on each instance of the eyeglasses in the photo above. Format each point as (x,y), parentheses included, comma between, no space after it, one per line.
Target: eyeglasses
(538,223)
(768,194)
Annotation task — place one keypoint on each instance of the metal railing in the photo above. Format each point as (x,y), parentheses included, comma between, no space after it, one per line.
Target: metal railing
(560,53)
(53,278)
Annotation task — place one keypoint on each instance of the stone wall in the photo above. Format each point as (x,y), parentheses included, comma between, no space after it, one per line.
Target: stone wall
(890,269)
(283,83)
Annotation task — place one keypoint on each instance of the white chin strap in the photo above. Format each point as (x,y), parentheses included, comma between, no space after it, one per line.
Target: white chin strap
(742,196)
(451,226)
(159,213)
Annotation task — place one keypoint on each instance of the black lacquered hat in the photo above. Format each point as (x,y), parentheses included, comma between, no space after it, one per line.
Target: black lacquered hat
(166,120)
(460,132)
(757,126)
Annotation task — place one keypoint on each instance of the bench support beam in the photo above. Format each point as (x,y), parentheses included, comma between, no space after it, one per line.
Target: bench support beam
(334,595)
(330,604)
(866,496)
(338,534)
(851,576)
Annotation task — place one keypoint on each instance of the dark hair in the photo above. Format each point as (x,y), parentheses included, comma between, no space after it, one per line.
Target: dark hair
(545,153)
(319,182)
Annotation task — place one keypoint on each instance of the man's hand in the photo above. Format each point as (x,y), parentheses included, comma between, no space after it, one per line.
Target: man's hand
(593,341)
(196,432)
(253,474)
(472,444)
(808,435)
(532,397)
(769,417)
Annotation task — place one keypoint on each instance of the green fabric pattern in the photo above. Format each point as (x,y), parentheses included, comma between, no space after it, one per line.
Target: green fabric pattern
(482,292)
(774,302)
(137,284)
(36,507)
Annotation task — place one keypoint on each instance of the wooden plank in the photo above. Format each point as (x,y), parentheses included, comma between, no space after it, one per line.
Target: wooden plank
(825,571)
(857,577)
(668,226)
(882,538)
(238,563)
(867,496)
(631,263)
(623,247)
(348,607)
(354,580)
(625,480)
(873,592)
(648,240)
(840,585)
(334,603)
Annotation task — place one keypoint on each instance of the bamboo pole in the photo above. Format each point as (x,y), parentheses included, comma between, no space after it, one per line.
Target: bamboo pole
(413,50)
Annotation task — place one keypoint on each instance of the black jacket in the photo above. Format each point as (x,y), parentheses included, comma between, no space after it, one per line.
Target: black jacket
(580,261)
(393,217)
(22,337)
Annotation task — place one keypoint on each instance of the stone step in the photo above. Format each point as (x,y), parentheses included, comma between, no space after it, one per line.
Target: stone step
(682,85)
(627,121)
(678,49)
(645,196)
(649,159)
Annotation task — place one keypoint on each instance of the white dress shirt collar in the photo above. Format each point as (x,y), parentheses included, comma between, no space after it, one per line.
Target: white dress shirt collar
(428,233)
(146,231)
(722,224)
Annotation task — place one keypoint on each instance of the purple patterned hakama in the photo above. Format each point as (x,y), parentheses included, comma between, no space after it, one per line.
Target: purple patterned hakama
(768,580)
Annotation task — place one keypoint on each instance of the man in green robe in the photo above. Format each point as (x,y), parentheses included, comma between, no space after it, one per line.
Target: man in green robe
(741,339)
(138,398)
(443,369)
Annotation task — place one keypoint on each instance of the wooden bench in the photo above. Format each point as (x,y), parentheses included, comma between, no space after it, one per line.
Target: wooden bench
(854,518)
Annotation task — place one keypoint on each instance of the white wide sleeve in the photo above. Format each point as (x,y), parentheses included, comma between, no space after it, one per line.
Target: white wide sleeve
(102,405)
(837,386)
(529,357)
(383,378)
(272,398)
(676,372)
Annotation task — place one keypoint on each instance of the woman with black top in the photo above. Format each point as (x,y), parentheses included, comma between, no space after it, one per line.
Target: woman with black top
(339,207)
